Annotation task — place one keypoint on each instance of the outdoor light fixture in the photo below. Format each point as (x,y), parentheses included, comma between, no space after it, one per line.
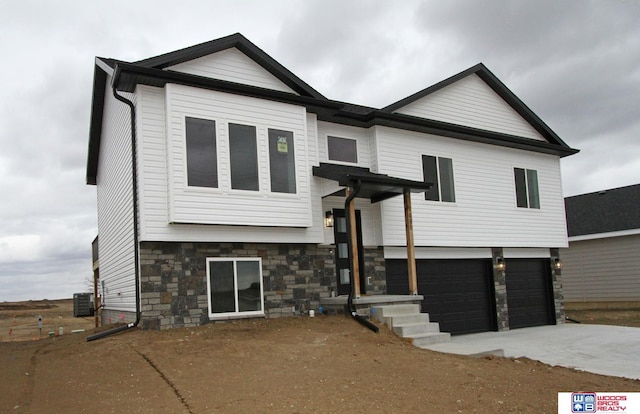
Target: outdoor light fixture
(328,219)
(557,263)
(499,264)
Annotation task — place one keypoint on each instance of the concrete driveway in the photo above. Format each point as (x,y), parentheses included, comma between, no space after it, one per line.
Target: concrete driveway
(601,349)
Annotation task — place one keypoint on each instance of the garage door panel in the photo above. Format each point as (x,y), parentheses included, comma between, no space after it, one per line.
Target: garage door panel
(529,293)
(457,293)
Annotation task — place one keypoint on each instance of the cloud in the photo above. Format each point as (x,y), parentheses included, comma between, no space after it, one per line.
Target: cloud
(574,62)
(57,279)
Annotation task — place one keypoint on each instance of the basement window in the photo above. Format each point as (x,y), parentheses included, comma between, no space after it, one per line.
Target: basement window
(234,287)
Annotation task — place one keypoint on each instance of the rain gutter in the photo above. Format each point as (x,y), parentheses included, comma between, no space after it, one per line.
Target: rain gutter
(136,248)
(352,310)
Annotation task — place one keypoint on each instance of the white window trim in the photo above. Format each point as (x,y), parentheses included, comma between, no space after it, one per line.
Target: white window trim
(223,153)
(439,201)
(357,162)
(185,168)
(295,157)
(526,182)
(236,314)
(259,151)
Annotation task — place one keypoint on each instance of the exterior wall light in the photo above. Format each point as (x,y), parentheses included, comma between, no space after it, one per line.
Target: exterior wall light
(499,264)
(328,219)
(556,263)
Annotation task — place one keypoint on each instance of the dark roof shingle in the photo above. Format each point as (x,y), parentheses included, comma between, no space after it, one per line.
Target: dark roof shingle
(604,211)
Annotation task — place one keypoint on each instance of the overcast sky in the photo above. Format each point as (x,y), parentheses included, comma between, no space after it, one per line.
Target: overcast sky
(575,63)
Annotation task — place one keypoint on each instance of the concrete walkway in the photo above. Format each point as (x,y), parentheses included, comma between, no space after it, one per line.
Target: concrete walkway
(601,349)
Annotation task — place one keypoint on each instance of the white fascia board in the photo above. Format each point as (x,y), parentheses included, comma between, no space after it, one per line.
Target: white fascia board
(525,252)
(596,236)
(400,252)
(102,65)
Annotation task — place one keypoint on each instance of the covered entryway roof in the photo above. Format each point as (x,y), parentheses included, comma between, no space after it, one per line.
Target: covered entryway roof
(374,186)
(361,182)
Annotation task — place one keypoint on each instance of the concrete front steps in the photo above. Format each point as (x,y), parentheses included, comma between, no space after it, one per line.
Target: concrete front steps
(407,322)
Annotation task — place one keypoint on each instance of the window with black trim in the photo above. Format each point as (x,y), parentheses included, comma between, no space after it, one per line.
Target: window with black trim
(282,162)
(527,192)
(243,154)
(439,172)
(342,149)
(202,157)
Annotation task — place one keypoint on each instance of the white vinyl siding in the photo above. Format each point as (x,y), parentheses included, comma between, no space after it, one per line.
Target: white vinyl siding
(152,162)
(602,270)
(396,252)
(471,102)
(225,205)
(155,184)
(525,253)
(234,66)
(115,208)
(484,213)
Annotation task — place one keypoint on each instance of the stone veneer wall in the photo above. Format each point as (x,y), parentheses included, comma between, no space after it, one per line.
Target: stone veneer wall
(500,290)
(295,276)
(558,297)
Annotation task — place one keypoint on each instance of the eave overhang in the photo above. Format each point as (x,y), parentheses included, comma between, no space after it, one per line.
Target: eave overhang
(429,126)
(126,76)
(95,126)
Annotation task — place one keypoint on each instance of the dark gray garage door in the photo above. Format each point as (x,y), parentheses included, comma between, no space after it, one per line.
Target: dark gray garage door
(457,293)
(529,293)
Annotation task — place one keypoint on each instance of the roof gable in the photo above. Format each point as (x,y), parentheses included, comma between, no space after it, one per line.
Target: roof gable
(233,66)
(179,58)
(605,211)
(476,98)
(471,102)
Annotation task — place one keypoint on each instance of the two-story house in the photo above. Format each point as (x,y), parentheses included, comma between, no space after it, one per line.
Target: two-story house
(228,188)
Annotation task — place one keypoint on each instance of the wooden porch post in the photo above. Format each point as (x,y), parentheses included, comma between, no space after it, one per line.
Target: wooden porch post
(353,235)
(411,252)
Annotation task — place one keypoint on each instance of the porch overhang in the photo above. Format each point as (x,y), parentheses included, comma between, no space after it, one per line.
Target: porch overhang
(361,182)
(376,187)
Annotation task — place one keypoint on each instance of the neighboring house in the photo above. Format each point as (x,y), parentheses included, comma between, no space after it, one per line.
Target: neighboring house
(240,174)
(601,267)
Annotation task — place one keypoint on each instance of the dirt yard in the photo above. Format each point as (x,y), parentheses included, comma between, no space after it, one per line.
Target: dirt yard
(623,317)
(19,320)
(327,364)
